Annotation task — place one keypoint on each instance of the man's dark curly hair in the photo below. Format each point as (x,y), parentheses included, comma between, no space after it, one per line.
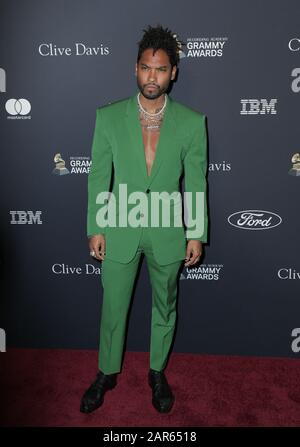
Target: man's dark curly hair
(160,38)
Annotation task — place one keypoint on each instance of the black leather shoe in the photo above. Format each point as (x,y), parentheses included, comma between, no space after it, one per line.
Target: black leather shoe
(162,396)
(94,395)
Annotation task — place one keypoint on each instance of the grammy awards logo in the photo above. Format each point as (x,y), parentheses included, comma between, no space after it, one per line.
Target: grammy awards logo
(295,169)
(60,166)
(204,272)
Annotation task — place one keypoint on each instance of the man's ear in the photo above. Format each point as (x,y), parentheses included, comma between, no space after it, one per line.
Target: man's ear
(174,69)
(136,69)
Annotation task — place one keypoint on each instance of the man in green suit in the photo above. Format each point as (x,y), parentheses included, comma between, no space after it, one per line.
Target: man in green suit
(149,140)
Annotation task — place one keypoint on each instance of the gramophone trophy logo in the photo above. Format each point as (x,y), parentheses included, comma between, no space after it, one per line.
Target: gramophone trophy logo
(60,166)
(180,51)
(295,169)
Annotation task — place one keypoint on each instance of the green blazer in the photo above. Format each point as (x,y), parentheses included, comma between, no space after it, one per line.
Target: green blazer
(118,146)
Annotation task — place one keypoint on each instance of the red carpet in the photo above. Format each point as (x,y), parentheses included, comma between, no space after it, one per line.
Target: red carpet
(44,387)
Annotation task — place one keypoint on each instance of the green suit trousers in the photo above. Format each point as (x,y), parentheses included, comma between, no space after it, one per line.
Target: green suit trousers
(117,281)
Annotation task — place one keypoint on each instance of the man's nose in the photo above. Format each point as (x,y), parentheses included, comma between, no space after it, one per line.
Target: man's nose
(152,75)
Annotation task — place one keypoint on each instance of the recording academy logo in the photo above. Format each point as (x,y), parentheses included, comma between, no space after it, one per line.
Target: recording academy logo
(2,80)
(258,107)
(77,165)
(219,167)
(65,269)
(2,340)
(295,169)
(205,272)
(203,47)
(254,220)
(79,49)
(288,274)
(26,217)
(18,108)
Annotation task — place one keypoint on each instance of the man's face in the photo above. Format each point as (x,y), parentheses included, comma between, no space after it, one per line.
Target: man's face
(154,73)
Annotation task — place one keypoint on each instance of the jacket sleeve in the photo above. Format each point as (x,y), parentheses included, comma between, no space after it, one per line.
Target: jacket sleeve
(195,170)
(99,176)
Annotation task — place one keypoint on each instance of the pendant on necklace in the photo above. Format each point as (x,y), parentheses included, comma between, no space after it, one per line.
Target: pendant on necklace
(152,127)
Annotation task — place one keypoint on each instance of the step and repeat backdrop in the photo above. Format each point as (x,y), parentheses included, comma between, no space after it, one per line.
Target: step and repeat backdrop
(60,60)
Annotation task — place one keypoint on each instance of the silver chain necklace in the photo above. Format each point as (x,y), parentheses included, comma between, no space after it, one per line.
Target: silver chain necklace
(153,120)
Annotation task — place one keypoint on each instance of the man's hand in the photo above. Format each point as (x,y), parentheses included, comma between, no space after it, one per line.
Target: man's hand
(97,244)
(193,252)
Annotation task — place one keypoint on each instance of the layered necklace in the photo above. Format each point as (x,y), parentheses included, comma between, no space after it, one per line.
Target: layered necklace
(151,121)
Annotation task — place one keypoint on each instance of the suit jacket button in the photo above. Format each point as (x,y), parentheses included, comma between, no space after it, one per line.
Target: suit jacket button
(148,190)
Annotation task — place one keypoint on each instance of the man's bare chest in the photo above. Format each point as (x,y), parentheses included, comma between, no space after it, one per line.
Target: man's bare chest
(150,142)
